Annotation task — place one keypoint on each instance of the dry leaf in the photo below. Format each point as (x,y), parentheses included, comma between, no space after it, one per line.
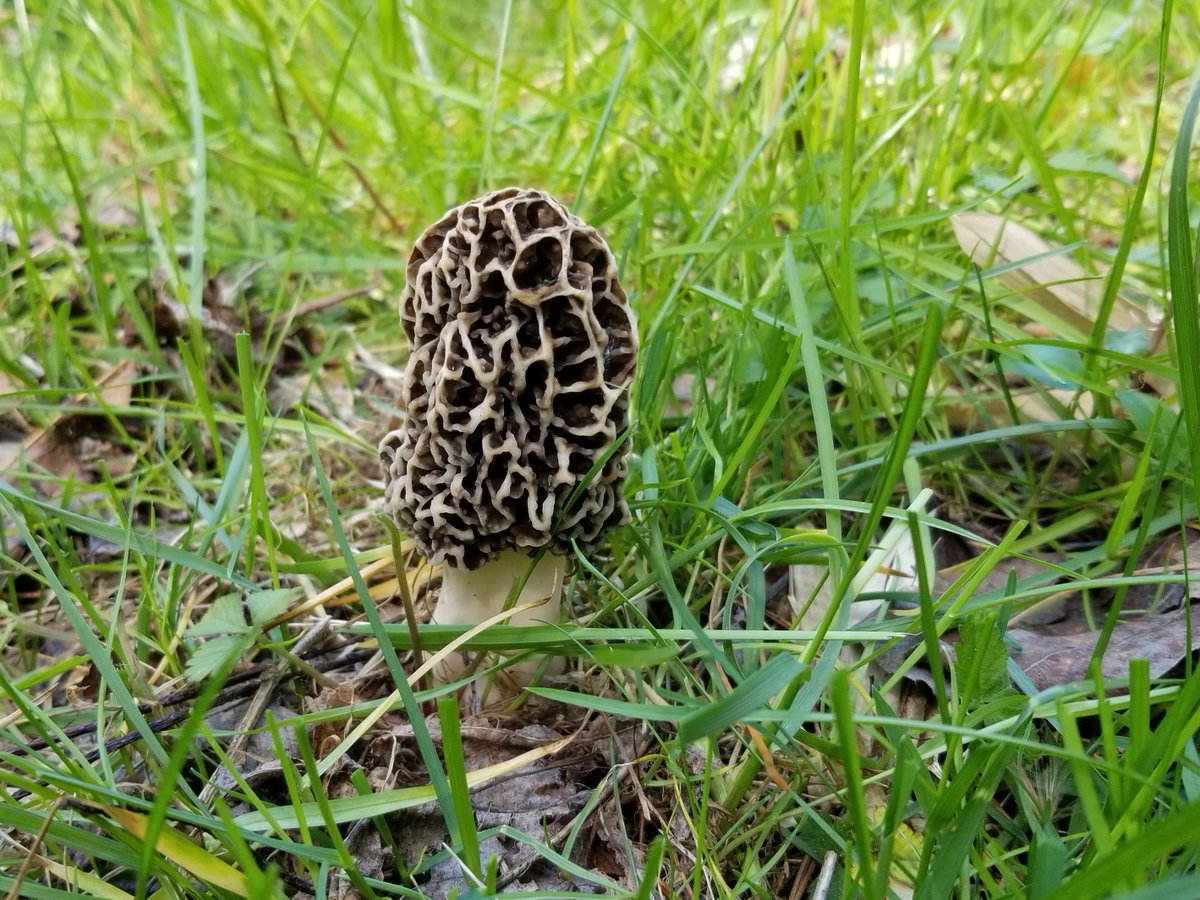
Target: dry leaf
(968,413)
(258,761)
(680,403)
(1052,288)
(371,858)
(52,449)
(1059,298)
(221,321)
(1051,660)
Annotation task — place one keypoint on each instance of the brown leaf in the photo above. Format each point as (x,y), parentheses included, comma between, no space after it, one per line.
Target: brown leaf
(106,216)
(1051,660)
(326,735)
(221,322)
(1045,612)
(971,413)
(257,762)
(371,858)
(53,448)
(1052,290)
(539,798)
(1171,554)
(40,241)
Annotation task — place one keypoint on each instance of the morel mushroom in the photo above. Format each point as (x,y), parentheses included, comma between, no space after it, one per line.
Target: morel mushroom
(523,347)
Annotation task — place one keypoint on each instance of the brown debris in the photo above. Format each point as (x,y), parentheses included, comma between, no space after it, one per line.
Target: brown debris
(1162,640)
(221,322)
(66,448)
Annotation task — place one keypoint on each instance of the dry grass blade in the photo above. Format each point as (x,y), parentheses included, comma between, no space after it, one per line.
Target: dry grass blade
(352,809)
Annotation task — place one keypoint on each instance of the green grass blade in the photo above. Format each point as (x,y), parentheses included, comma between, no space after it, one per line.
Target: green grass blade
(1185,300)
(467,838)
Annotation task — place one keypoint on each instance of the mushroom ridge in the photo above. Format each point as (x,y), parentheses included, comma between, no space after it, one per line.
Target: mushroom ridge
(523,347)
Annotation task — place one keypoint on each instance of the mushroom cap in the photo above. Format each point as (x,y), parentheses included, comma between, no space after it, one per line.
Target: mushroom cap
(523,347)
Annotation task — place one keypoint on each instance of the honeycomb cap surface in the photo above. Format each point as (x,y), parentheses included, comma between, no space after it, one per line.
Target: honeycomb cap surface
(522,350)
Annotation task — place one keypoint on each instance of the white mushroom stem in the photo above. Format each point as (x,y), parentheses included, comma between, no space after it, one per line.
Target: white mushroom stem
(471,596)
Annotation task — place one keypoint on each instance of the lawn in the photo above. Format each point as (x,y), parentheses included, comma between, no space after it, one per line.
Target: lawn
(903,605)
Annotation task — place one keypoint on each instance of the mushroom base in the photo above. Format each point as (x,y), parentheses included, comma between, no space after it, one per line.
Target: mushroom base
(468,597)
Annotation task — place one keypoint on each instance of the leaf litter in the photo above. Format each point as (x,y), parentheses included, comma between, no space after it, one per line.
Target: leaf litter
(1053,639)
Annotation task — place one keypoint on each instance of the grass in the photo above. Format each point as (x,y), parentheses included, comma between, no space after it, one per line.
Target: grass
(207,210)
